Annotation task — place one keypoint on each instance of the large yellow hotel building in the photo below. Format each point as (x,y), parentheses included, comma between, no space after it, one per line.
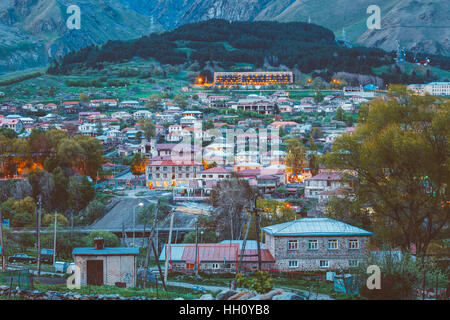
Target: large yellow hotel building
(253,78)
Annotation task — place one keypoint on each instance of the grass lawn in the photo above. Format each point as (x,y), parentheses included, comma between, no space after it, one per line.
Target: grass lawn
(173,292)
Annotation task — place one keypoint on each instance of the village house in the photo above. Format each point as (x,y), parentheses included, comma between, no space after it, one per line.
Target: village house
(142,114)
(310,244)
(215,257)
(13,124)
(325,181)
(111,103)
(258,105)
(164,174)
(129,104)
(106,266)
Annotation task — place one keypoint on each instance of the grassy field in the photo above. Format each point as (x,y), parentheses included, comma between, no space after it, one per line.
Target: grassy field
(172,292)
(279,281)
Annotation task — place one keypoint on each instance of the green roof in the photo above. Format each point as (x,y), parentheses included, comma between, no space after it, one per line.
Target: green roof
(315,227)
(105,252)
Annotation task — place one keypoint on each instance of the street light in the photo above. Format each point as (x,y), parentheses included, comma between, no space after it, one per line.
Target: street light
(141,204)
(201,232)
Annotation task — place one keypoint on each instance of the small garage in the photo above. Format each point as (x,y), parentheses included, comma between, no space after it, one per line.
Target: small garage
(106,266)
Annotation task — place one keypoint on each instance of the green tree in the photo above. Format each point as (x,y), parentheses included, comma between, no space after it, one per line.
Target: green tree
(296,156)
(111,240)
(137,165)
(94,211)
(339,114)
(149,129)
(400,155)
(84,97)
(81,192)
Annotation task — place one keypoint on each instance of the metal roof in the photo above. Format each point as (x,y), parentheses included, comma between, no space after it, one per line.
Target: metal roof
(249,245)
(105,252)
(217,252)
(176,252)
(315,227)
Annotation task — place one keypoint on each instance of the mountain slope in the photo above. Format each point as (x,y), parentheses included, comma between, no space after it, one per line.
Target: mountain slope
(42,23)
(34,31)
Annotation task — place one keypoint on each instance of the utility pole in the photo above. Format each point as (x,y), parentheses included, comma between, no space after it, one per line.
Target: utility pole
(168,253)
(150,239)
(258,237)
(2,244)
(196,248)
(38,230)
(54,239)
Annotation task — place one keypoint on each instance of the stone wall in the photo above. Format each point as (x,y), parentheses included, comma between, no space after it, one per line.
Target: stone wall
(308,260)
(115,269)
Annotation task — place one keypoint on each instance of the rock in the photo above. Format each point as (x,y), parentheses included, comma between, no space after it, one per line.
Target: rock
(207,297)
(179,298)
(238,295)
(247,296)
(288,296)
(269,295)
(225,294)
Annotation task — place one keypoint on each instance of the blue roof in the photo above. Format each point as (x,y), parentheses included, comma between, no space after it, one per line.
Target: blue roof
(315,227)
(105,252)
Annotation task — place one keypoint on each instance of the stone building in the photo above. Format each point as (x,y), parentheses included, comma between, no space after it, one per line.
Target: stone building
(215,257)
(106,266)
(316,244)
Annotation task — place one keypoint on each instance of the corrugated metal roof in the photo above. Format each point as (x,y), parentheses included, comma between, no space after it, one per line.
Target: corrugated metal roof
(315,227)
(176,252)
(211,252)
(106,251)
(217,252)
(249,245)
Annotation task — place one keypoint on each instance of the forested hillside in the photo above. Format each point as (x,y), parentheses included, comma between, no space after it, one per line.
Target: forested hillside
(304,46)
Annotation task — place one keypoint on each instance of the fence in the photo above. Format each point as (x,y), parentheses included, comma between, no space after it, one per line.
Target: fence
(18,278)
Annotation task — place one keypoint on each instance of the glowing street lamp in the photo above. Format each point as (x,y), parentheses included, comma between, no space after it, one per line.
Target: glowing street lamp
(141,204)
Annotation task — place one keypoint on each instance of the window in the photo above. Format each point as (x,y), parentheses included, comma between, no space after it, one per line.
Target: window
(313,245)
(353,244)
(353,263)
(324,263)
(293,263)
(332,244)
(215,266)
(292,244)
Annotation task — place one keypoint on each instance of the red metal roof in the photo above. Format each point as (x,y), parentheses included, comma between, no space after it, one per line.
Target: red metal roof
(220,252)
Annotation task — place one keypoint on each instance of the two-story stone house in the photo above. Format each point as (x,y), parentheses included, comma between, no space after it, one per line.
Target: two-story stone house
(316,244)
(325,181)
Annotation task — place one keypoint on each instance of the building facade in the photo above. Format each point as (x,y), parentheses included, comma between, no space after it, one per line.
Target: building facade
(253,78)
(310,244)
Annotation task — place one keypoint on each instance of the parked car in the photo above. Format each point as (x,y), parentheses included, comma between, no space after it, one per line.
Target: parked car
(47,256)
(22,257)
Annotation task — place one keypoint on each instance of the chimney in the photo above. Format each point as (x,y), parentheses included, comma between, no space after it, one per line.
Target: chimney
(99,243)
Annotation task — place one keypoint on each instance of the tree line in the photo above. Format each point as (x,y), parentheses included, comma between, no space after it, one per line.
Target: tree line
(306,47)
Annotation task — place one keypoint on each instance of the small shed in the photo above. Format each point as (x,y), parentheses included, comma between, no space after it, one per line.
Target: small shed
(106,266)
